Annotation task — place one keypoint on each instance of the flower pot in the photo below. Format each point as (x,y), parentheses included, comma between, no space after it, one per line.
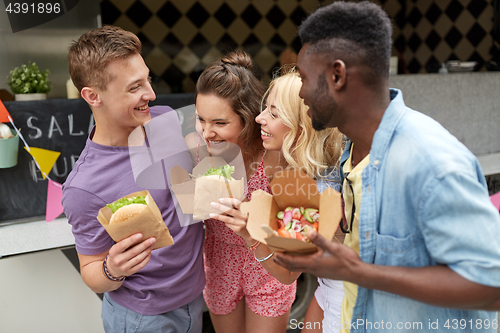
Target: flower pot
(8,151)
(30,97)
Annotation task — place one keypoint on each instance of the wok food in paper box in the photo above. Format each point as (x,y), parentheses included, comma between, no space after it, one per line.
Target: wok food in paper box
(134,213)
(296,222)
(207,184)
(292,190)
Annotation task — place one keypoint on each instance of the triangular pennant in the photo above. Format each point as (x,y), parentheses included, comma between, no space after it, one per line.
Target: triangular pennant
(54,196)
(4,114)
(44,158)
(495,200)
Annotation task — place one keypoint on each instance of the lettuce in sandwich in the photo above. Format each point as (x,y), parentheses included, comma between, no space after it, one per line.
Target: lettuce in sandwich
(125,202)
(224,171)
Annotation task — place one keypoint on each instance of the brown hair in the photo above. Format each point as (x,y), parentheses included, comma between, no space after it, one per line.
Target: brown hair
(231,78)
(89,56)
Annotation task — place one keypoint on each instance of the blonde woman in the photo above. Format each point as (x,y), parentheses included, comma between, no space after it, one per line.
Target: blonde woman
(286,127)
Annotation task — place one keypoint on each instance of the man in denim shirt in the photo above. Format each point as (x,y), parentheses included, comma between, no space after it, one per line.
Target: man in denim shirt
(422,253)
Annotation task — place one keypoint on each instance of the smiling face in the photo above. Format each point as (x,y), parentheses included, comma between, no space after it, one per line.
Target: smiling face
(273,130)
(219,123)
(123,105)
(315,91)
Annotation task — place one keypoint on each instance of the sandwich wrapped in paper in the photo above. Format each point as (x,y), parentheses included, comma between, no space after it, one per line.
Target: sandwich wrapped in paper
(210,181)
(135,213)
(291,191)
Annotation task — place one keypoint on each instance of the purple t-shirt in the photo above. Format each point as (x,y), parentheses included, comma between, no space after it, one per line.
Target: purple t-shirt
(174,276)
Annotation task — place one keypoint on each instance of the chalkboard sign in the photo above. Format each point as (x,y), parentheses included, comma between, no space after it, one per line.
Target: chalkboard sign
(60,125)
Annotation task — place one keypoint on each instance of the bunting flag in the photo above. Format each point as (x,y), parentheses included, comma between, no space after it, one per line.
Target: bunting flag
(44,159)
(5,117)
(4,114)
(54,196)
(495,200)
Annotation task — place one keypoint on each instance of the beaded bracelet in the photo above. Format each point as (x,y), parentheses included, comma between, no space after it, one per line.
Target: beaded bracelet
(108,275)
(265,258)
(254,246)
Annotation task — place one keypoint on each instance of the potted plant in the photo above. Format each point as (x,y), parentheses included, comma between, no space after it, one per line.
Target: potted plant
(28,82)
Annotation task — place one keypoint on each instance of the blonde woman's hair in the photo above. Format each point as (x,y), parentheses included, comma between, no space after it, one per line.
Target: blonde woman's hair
(303,147)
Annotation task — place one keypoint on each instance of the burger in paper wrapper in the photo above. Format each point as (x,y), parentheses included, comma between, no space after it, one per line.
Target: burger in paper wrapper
(135,213)
(216,183)
(212,181)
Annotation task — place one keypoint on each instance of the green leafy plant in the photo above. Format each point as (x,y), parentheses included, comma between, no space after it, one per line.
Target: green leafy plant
(28,79)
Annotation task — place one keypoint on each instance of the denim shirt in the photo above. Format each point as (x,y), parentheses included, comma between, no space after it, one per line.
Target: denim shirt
(425,202)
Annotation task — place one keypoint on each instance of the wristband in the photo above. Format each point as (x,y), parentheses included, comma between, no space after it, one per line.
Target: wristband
(265,258)
(108,275)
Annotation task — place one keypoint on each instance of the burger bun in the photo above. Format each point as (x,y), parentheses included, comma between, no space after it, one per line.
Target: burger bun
(126,212)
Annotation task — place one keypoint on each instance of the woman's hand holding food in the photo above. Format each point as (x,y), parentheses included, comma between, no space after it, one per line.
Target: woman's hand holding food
(237,222)
(233,217)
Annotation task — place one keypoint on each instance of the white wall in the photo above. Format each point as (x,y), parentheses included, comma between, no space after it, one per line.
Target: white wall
(466,104)
(43,292)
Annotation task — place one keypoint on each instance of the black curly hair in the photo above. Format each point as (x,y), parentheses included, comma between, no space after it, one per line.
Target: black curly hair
(352,32)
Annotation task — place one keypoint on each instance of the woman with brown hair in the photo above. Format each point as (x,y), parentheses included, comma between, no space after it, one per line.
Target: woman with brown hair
(242,294)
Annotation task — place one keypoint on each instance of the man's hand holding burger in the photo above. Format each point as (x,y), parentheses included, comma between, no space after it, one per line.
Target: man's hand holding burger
(127,257)
(123,259)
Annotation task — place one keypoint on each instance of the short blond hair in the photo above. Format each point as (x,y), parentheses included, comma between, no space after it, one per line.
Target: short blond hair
(303,147)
